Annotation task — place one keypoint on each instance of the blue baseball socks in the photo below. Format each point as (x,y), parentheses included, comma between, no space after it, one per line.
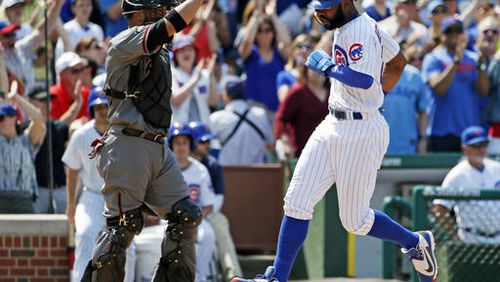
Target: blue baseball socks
(387,229)
(292,235)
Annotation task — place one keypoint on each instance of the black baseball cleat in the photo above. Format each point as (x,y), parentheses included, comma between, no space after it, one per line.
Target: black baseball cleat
(266,277)
(423,257)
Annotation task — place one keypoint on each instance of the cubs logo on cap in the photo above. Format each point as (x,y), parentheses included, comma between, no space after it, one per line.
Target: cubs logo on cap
(322,5)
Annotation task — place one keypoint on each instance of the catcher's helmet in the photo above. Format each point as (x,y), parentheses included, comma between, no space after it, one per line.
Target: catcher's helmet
(96,97)
(131,6)
(200,131)
(178,129)
(322,4)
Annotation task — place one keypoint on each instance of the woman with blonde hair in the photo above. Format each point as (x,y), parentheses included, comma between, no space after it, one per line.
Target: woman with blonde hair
(301,47)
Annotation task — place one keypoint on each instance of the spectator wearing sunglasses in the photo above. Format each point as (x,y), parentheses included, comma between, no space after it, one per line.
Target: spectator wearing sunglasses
(92,48)
(70,102)
(264,49)
(457,79)
(301,47)
(18,186)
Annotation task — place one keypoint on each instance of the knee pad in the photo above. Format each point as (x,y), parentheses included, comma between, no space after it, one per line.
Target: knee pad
(132,220)
(177,262)
(108,260)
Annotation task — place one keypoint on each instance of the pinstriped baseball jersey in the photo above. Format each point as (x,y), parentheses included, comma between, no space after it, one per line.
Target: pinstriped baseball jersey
(362,46)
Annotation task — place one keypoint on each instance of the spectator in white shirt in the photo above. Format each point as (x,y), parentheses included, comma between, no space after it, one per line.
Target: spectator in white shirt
(194,89)
(80,27)
(243,131)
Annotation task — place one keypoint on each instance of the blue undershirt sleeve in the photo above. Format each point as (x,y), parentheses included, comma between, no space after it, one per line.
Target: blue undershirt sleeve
(350,77)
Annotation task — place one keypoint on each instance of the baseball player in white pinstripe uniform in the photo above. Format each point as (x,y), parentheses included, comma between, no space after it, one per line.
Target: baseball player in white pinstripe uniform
(347,148)
(87,215)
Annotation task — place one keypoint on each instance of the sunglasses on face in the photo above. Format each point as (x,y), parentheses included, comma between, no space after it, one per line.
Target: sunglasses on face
(479,145)
(414,59)
(264,30)
(305,46)
(454,30)
(78,70)
(492,31)
(439,10)
(9,35)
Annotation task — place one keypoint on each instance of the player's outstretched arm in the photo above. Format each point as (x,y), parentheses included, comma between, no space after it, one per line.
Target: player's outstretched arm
(177,19)
(392,71)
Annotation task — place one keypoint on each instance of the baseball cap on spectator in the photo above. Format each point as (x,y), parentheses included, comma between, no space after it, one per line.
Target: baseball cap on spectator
(452,23)
(10,3)
(473,135)
(7,110)
(6,28)
(236,90)
(67,60)
(182,41)
(39,93)
(435,5)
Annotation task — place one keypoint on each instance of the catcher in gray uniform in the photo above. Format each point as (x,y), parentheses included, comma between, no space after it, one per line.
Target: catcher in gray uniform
(139,172)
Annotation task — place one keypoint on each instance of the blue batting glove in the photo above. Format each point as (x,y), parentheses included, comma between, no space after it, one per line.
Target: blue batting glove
(319,61)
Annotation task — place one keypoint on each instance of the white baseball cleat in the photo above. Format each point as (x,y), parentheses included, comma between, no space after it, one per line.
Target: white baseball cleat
(423,257)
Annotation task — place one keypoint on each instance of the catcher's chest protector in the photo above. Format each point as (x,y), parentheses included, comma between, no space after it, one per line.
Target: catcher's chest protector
(150,82)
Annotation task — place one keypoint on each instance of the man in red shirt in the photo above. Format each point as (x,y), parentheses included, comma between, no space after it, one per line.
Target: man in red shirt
(70,102)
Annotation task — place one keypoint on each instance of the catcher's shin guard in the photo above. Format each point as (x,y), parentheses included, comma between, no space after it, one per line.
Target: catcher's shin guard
(178,261)
(108,261)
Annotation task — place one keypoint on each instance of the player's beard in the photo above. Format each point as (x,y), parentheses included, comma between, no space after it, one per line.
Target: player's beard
(336,21)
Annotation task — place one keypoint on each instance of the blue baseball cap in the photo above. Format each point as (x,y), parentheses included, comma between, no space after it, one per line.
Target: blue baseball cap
(450,22)
(322,4)
(473,135)
(200,131)
(434,4)
(7,110)
(96,97)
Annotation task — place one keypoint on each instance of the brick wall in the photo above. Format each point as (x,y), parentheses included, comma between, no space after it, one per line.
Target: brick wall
(33,248)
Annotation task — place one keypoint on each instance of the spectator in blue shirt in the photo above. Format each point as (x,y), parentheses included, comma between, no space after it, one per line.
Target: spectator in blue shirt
(409,99)
(378,11)
(114,20)
(264,49)
(456,82)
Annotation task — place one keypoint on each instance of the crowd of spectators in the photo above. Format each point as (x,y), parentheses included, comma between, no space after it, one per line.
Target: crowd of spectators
(238,68)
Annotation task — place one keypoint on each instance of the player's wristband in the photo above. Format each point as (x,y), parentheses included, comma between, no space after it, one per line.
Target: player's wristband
(350,77)
(176,20)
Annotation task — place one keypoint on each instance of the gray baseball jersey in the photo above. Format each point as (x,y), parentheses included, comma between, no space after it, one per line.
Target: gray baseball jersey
(128,49)
(134,169)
